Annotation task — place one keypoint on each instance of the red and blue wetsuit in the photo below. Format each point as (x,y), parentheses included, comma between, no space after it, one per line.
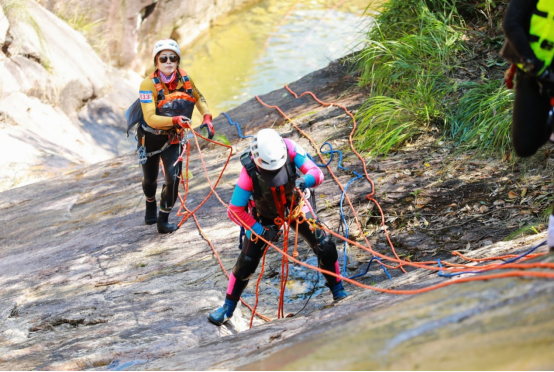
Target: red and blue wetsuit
(252,252)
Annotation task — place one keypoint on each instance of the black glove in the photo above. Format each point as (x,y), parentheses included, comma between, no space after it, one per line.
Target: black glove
(272,233)
(547,76)
(300,183)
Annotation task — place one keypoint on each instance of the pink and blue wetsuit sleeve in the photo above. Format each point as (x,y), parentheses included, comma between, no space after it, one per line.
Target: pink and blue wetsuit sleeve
(243,190)
(238,204)
(312,174)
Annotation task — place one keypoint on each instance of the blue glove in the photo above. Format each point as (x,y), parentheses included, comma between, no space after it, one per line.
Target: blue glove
(258,229)
(300,183)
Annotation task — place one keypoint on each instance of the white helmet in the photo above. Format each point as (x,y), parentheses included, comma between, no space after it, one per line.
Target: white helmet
(166,44)
(269,150)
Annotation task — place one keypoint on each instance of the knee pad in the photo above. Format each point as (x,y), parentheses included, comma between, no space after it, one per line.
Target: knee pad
(327,251)
(245,267)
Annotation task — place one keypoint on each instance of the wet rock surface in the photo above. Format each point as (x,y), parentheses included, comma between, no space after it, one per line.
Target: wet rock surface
(84,284)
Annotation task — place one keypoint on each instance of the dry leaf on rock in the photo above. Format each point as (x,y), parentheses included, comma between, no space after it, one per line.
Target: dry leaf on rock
(523,192)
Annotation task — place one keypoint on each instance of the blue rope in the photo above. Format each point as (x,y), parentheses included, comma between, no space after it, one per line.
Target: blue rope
(479,272)
(367,268)
(331,152)
(231,122)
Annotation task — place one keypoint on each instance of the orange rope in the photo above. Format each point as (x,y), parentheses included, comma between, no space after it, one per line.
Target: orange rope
(364,166)
(258,287)
(191,213)
(225,271)
(406,292)
(400,263)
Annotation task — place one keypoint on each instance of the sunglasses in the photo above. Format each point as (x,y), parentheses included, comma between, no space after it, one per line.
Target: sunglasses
(172,59)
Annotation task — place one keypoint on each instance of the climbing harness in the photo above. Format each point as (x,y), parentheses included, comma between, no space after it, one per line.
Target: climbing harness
(173,138)
(142,153)
(178,103)
(262,194)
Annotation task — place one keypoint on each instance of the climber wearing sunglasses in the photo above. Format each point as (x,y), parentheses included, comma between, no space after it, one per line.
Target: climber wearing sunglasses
(167,97)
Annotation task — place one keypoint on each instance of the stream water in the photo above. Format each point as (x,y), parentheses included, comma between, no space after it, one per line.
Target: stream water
(271,43)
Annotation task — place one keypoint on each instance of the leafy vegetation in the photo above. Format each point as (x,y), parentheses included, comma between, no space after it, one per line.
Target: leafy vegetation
(410,62)
(483,117)
(16,11)
(79,19)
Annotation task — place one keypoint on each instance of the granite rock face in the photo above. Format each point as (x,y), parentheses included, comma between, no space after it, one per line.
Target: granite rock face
(61,106)
(4,26)
(132,28)
(84,284)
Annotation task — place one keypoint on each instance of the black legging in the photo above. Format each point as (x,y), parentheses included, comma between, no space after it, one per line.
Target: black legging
(531,107)
(151,168)
(252,252)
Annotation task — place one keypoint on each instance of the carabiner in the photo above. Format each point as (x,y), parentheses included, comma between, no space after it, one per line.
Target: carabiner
(142,155)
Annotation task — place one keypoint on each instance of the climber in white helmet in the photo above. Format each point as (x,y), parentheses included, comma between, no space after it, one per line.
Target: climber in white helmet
(262,196)
(167,97)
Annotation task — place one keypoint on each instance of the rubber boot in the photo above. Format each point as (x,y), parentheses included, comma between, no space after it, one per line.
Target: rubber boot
(338,292)
(151,215)
(164,227)
(224,313)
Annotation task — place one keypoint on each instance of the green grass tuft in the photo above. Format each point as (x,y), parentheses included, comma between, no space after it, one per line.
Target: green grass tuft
(408,74)
(408,62)
(525,231)
(483,117)
(79,18)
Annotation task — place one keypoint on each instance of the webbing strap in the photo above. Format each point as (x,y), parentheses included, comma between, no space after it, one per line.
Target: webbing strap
(157,132)
(160,86)
(250,167)
(280,205)
(165,146)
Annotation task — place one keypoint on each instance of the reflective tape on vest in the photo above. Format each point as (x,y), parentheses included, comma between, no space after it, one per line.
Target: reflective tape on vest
(541,32)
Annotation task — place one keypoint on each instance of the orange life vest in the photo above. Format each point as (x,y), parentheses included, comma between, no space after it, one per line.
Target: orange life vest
(177,103)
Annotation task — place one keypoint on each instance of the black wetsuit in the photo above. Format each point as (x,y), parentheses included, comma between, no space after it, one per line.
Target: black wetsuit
(252,253)
(532,101)
(151,168)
